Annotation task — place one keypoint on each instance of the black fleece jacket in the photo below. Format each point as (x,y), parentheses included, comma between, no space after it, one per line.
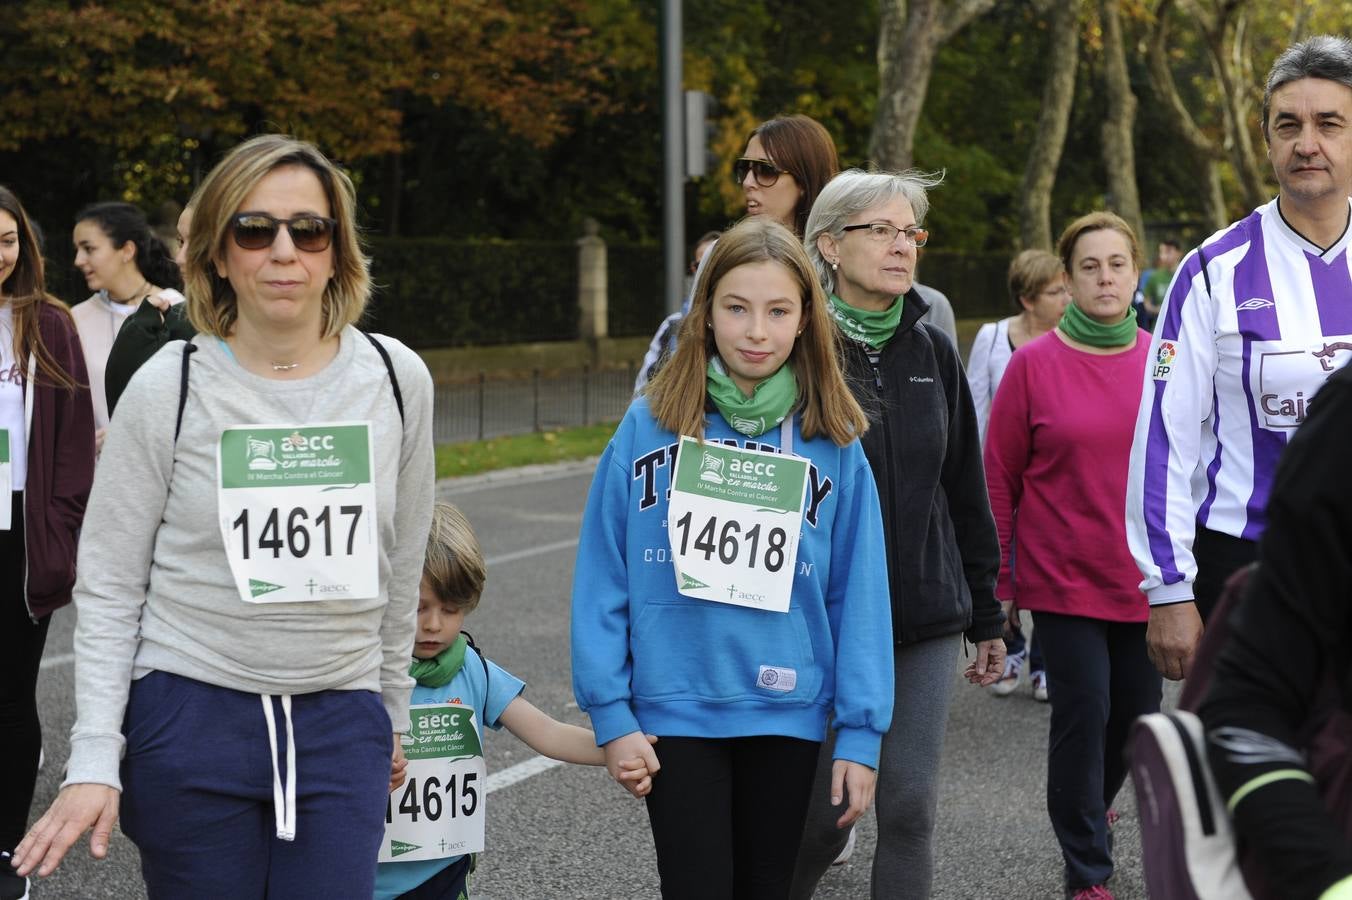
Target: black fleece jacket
(942,550)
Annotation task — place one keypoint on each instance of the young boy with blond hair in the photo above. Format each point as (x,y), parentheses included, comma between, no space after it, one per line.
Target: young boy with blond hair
(450,674)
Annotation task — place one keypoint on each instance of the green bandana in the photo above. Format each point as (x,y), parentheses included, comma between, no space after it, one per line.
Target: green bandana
(767,406)
(1077,326)
(865,325)
(440,669)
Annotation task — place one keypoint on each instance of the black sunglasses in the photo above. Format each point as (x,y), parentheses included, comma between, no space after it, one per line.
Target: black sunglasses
(257,230)
(766,173)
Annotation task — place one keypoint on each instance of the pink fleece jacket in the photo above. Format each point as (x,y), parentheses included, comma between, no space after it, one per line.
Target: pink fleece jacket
(1056,466)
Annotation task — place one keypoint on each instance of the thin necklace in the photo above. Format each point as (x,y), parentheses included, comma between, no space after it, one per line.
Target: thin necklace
(139,294)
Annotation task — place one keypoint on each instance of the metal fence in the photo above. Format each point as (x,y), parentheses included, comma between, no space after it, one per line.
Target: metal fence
(490,408)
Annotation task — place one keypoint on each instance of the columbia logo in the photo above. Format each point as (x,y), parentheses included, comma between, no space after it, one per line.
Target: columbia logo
(921,379)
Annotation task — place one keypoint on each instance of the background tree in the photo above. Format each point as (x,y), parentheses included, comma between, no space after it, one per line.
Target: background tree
(909,37)
(1039,175)
(1118,130)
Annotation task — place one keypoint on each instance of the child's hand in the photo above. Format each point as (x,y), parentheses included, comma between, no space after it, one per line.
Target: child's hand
(633,753)
(397,765)
(635,771)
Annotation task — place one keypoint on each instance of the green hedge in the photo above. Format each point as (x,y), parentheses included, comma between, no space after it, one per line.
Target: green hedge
(439,292)
(435,292)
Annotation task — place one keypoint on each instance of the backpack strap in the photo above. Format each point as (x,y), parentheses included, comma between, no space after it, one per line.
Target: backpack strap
(188,349)
(394,382)
(469,639)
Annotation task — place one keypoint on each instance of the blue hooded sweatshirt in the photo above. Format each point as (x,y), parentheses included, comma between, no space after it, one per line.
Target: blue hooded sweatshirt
(646,658)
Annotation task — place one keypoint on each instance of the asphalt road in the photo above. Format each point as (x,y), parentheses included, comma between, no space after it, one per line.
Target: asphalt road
(565,831)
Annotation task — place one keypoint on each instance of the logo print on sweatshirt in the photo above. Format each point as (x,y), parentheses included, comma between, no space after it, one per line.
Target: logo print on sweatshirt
(1255,303)
(644,471)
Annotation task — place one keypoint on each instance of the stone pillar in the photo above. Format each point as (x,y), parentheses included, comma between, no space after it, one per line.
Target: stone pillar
(592,302)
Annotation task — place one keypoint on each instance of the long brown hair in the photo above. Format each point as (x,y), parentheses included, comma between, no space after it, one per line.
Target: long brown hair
(26,292)
(676,394)
(801,146)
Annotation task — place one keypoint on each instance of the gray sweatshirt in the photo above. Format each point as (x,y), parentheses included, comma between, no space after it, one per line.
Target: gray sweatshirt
(155,591)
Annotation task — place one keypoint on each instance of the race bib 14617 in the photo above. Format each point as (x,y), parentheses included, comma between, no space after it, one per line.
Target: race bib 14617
(298,512)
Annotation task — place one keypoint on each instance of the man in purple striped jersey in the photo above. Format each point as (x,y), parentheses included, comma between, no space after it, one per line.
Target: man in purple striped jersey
(1255,320)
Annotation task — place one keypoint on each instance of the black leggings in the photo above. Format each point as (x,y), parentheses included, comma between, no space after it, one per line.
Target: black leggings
(21,643)
(727,815)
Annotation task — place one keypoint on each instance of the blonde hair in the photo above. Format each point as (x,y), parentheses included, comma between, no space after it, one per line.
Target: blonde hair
(1096,221)
(454,566)
(1030,272)
(828,408)
(212,305)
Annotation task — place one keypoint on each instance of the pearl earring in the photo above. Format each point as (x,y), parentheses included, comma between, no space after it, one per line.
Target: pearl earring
(835,266)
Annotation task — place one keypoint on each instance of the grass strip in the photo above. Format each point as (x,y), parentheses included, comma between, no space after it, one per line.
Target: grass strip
(473,457)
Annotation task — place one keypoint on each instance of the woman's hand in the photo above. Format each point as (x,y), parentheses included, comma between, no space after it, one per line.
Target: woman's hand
(989,664)
(1011,616)
(859,780)
(74,811)
(626,755)
(99,435)
(397,764)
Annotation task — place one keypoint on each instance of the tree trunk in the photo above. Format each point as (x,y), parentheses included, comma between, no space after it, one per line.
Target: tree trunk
(1235,103)
(909,37)
(1119,153)
(1058,93)
(1204,150)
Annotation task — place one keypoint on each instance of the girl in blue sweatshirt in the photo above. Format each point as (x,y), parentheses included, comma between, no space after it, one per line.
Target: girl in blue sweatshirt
(738,689)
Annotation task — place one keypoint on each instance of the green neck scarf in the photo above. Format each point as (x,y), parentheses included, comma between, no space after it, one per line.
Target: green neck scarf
(865,325)
(440,669)
(1079,327)
(767,406)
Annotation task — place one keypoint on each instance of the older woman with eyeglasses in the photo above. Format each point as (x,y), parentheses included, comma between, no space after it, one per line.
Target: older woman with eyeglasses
(248,573)
(942,550)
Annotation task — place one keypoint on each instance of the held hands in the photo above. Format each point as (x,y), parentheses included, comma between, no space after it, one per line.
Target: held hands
(1171,638)
(858,780)
(631,761)
(74,811)
(989,664)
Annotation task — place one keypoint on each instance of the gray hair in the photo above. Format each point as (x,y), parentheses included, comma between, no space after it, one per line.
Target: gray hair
(854,191)
(1322,56)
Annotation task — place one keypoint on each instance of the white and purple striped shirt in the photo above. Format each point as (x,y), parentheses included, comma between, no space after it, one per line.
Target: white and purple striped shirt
(1230,375)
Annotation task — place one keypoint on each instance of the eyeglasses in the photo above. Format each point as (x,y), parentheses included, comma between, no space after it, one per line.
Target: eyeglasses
(257,230)
(765,172)
(887,234)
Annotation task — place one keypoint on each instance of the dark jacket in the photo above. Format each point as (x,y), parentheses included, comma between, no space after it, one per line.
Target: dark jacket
(60,467)
(942,550)
(141,336)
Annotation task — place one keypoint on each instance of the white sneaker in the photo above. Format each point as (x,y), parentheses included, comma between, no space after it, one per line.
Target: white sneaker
(1012,676)
(1040,686)
(846,853)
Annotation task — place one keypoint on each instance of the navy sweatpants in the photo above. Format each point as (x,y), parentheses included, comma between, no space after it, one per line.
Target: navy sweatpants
(197,792)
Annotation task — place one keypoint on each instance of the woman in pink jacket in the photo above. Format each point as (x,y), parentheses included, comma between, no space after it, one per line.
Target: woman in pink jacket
(1056,465)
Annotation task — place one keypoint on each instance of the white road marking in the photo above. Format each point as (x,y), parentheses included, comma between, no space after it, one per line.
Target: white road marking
(520,772)
(532,551)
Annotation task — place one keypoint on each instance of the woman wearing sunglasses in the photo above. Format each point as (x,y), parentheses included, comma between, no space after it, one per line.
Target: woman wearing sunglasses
(125,263)
(788,160)
(248,578)
(942,552)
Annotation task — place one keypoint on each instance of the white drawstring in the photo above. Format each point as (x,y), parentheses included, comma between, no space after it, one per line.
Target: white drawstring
(283,802)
